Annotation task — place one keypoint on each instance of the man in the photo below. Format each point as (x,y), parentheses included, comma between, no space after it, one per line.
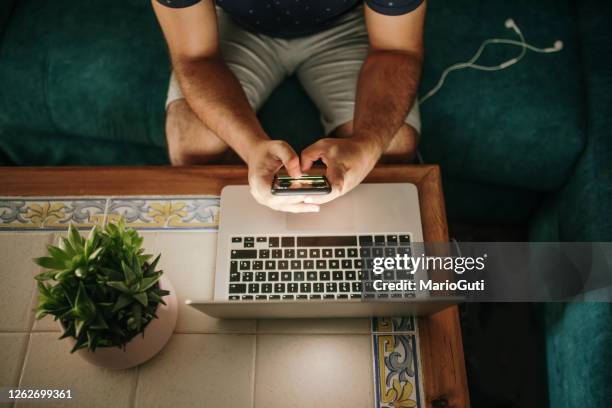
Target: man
(360,64)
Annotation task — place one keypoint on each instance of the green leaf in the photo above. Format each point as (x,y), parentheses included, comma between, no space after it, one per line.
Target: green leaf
(141,298)
(63,274)
(122,302)
(43,276)
(74,237)
(120,286)
(57,253)
(50,263)
(129,274)
(80,272)
(95,254)
(147,283)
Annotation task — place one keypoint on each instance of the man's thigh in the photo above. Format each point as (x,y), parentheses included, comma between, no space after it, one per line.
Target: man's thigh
(330,72)
(252,58)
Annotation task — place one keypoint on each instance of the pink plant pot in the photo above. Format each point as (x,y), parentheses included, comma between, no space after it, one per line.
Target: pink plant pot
(144,346)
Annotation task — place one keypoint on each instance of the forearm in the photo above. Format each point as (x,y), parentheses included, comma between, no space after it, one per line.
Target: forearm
(215,95)
(387,88)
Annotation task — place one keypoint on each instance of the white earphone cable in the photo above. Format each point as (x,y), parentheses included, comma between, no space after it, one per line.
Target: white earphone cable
(471,63)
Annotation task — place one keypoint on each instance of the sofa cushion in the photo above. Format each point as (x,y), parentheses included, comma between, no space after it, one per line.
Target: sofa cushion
(88,68)
(520,127)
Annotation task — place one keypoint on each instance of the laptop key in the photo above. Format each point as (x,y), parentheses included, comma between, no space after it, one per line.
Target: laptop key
(249,244)
(279,288)
(302,253)
(355,296)
(390,252)
(283,265)
(331,287)
(273,276)
(301,297)
(365,240)
(346,264)
(253,287)
(298,276)
(285,276)
(345,287)
(274,297)
(324,275)
(334,264)
(351,275)
(264,254)
(321,264)
(270,265)
(308,264)
(273,242)
(234,277)
(249,239)
(311,276)
(315,253)
(277,253)
(234,297)
(266,288)
(337,275)
(289,253)
(243,254)
(287,241)
(319,287)
(245,265)
(352,253)
(377,252)
(296,264)
(343,296)
(237,288)
(292,287)
(356,286)
(287,297)
(305,287)
(262,239)
(327,253)
(261,297)
(233,266)
(260,276)
(404,239)
(365,253)
(327,241)
(379,240)
(315,296)
(358,263)
(339,253)
(329,296)
(236,239)
(257,265)
(391,239)
(247,276)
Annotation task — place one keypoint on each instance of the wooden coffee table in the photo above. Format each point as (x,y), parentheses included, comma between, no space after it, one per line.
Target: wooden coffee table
(441,352)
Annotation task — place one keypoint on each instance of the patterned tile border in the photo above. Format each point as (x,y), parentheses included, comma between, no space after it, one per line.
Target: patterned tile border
(397,378)
(145,213)
(394,339)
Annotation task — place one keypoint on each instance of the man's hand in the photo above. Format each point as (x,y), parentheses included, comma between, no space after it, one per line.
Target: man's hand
(264,161)
(348,161)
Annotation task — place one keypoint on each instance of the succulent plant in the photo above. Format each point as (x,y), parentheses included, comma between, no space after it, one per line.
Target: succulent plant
(104,290)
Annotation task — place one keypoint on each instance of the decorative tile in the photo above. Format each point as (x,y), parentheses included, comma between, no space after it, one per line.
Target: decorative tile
(27,214)
(167,212)
(397,378)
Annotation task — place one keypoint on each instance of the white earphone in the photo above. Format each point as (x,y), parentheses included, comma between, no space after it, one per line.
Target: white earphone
(471,63)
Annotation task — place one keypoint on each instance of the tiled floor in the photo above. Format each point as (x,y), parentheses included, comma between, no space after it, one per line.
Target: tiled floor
(208,362)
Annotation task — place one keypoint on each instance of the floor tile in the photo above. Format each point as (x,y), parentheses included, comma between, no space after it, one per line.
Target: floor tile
(188,259)
(313,371)
(12,352)
(17,272)
(50,365)
(199,370)
(314,326)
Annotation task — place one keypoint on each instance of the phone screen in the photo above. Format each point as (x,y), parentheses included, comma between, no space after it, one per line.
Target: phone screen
(285,185)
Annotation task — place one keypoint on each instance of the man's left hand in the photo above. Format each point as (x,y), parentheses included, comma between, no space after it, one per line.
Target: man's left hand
(348,162)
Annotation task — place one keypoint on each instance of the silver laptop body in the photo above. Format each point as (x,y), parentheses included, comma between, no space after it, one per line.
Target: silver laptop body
(306,269)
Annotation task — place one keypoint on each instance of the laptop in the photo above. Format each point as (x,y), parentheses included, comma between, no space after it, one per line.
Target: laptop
(273,264)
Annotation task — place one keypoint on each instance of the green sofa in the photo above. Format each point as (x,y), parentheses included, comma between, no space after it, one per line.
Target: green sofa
(84,82)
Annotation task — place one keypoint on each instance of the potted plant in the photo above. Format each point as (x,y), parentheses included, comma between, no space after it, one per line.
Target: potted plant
(107,295)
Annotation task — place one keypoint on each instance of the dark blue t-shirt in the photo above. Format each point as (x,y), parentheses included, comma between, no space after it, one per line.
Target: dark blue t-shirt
(294,18)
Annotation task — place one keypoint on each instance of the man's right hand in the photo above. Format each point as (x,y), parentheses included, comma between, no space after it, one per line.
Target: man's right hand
(265,160)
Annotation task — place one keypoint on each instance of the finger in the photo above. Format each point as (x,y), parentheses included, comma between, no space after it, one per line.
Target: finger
(311,154)
(288,156)
(336,179)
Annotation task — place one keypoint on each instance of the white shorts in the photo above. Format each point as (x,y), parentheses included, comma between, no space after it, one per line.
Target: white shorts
(326,63)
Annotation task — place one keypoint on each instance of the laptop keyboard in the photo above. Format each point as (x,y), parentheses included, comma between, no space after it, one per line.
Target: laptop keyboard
(331,267)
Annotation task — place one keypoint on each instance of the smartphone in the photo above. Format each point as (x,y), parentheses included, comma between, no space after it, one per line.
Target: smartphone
(285,185)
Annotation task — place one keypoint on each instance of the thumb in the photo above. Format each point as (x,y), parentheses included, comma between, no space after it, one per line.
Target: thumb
(288,156)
